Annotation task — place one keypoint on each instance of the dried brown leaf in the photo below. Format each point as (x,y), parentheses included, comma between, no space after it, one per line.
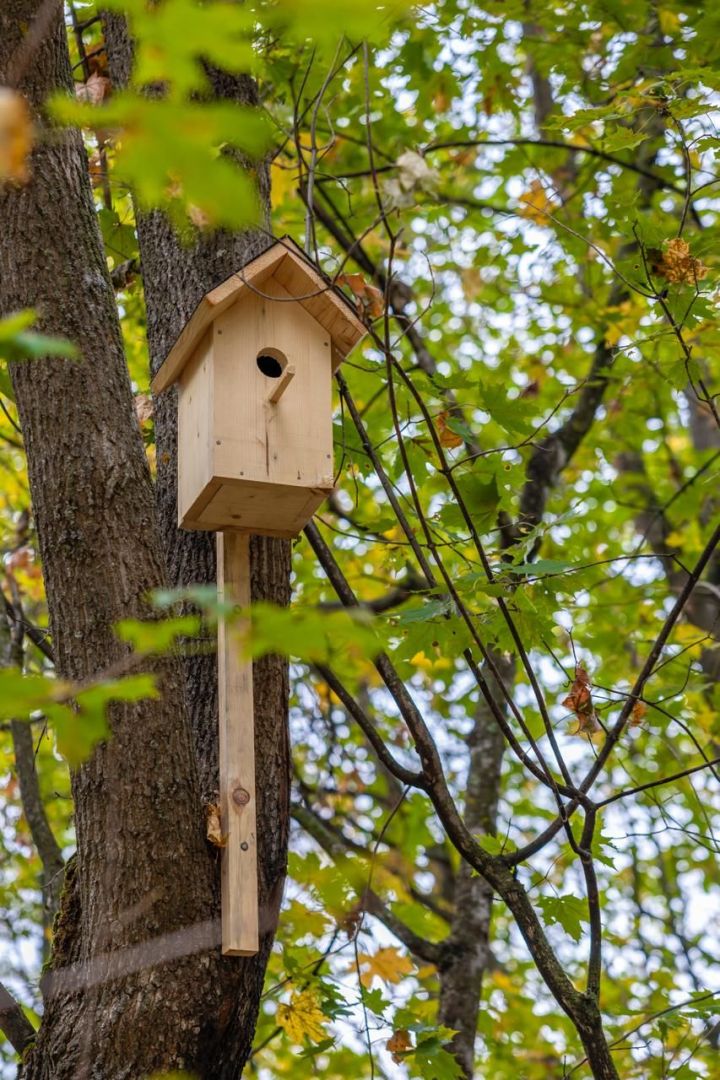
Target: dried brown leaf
(399,1043)
(678,266)
(447,436)
(639,710)
(214,831)
(95,90)
(369,299)
(580,701)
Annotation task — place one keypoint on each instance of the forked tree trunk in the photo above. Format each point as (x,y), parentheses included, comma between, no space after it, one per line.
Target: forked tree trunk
(137,984)
(176,276)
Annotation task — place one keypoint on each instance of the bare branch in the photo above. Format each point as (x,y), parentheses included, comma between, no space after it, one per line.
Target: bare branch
(14,1024)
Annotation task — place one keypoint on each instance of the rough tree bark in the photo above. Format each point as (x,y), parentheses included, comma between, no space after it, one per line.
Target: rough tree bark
(466,953)
(137,983)
(176,275)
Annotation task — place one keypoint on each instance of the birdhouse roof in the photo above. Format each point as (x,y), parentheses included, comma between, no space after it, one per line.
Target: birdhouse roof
(300,277)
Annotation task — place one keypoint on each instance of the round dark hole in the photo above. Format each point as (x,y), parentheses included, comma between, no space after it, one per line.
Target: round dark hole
(269,365)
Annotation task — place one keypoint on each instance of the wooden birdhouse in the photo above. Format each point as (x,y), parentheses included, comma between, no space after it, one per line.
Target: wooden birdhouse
(254,368)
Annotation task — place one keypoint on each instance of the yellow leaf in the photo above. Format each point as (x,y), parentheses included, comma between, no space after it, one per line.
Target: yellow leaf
(687,634)
(387,964)
(16,136)
(669,21)
(283,179)
(674,539)
(472,282)
(302,1017)
(536,204)
(420,660)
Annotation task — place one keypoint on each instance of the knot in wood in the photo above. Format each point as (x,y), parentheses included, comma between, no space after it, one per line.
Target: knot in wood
(240,796)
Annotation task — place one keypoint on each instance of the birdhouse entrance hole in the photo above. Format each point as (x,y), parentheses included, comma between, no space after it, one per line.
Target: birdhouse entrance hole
(271,363)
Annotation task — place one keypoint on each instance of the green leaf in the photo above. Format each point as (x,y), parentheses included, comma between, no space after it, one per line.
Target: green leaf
(157,636)
(432,1061)
(623,139)
(567,911)
(18,342)
(542,567)
(174,153)
(509,413)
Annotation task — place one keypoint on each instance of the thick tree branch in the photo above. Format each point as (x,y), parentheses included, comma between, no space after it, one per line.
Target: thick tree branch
(14,1024)
(33,806)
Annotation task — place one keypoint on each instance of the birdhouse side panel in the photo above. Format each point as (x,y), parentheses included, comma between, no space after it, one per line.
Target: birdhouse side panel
(260,435)
(195,417)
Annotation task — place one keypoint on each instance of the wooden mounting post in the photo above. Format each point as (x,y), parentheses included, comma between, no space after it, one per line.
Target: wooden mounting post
(237,757)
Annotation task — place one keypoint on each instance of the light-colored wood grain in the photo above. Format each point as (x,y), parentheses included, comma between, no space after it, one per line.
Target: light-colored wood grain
(239,887)
(287,264)
(281,385)
(195,412)
(268,509)
(290,443)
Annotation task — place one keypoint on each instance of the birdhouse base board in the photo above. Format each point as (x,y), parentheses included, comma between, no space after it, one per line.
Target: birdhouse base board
(266,509)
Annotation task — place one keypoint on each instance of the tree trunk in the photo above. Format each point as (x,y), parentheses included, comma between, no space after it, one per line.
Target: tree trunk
(466,950)
(137,983)
(176,276)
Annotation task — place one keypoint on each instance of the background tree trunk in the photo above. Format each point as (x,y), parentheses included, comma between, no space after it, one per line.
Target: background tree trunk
(466,951)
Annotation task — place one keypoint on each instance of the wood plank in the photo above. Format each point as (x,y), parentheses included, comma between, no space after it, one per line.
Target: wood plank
(281,385)
(266,508)
(239,886)
(195,417)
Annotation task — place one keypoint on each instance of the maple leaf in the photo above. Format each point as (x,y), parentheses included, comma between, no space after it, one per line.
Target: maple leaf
(369,300)
(398,1044)
(536,205)
(579,700)
(16,136)
(302,1017)
(678,266)
(95,90)
(448,437)
(387,964)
